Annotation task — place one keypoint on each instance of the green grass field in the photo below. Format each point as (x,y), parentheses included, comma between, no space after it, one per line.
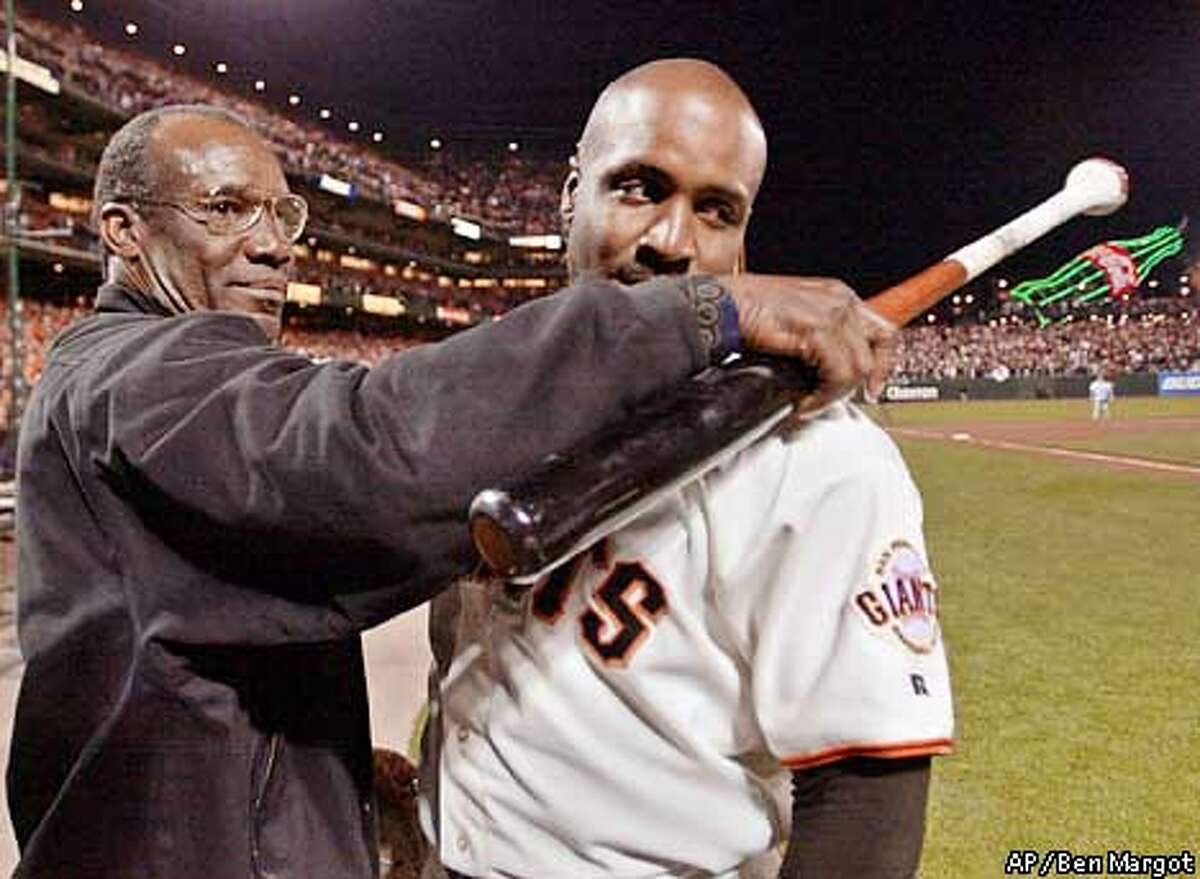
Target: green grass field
(1071,606)
(1145,440)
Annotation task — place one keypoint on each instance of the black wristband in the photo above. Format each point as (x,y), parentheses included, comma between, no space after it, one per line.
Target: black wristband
(716,314)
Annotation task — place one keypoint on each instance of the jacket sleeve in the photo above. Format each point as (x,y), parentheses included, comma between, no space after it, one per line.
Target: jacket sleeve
(337,482)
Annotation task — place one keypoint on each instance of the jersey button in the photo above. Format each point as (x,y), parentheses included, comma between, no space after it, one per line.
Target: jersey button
(463,733)
(462,842)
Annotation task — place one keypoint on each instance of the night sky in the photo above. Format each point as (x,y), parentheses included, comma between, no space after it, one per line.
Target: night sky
(898,131)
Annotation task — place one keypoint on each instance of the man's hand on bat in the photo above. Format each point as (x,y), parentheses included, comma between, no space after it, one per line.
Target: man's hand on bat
(820,321)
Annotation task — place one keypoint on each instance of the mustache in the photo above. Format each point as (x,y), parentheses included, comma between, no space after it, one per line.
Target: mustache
(647,263)
(631,274)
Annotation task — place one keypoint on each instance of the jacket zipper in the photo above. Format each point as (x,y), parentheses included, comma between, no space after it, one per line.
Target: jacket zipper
(259,796)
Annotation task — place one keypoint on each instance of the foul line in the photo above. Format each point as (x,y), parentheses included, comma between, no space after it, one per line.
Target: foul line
(1075,454)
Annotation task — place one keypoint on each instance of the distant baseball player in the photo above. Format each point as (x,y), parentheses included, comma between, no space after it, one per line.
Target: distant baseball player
(1101,393)
(632,713)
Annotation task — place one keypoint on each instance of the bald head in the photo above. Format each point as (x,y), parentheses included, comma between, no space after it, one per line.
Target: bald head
(665,174)
(671,93)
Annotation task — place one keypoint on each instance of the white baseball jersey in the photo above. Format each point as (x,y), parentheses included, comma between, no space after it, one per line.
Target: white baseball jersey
(626,715)
(1100,390)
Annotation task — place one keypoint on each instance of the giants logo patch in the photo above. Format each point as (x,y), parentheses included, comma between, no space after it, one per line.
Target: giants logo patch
(901,598)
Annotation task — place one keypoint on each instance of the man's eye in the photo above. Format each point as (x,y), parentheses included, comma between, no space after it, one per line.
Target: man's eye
(226,207)
(634,189)
(719,213)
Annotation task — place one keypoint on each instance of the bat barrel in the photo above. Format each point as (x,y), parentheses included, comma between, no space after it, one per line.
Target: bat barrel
(524,526)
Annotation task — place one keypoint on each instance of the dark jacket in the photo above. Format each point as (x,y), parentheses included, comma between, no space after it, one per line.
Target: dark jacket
(205,524)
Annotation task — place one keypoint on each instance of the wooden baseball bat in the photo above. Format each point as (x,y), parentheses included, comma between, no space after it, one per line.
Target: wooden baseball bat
(533,523)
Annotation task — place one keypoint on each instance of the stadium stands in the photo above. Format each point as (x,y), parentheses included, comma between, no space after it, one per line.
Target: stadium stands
(517,195)
(1154,341)
(364,251)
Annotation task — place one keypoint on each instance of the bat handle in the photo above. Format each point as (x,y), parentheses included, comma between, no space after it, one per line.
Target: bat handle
(901,303)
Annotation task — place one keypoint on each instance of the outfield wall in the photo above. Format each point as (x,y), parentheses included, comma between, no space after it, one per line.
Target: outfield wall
(1138,384)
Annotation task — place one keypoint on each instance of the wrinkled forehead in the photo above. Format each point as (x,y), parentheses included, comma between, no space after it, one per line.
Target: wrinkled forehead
(696,132)
(198,154)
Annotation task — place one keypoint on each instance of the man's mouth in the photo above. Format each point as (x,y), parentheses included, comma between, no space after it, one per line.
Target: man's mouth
(268,293)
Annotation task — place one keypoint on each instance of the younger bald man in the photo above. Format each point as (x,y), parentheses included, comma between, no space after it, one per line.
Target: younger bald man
(632,713)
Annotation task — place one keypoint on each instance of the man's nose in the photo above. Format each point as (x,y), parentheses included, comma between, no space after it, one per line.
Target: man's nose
(265,242)
(669,245)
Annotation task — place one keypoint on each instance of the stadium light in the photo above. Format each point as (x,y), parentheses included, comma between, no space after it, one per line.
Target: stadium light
(465,228)
(329,183)
(179,49)
(513,146)
(377,137)
(294,100)
(325,113)
(547,242)
(435,143)
(131,28)
(352,125)
(77,5)
(1002,283)
(1152,283)
(58,267)
(260,85)
(222,67)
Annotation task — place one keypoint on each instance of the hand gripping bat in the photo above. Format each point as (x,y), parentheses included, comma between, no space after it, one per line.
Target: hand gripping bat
(534,522)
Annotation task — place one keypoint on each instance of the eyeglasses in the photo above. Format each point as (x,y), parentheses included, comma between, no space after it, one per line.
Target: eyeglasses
(233,214)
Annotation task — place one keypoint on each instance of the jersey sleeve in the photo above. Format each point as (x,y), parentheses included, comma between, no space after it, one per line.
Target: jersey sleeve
(835,606)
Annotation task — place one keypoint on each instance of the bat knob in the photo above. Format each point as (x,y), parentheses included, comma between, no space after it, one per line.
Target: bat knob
(1104,184)
(502,531)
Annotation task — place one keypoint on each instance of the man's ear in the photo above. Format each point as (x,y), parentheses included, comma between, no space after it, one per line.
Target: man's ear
(566,204)
(120,229)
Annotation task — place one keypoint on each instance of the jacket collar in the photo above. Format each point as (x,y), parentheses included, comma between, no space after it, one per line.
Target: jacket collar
(117,297)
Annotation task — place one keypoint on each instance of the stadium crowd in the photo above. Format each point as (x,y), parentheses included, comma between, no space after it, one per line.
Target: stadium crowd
(41,322)
(1149,342)
(516,195)
(1158,341)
